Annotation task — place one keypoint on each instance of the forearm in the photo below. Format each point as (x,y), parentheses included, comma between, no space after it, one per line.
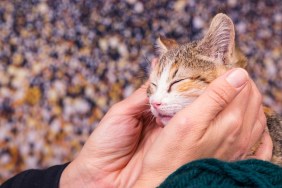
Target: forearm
(46,178)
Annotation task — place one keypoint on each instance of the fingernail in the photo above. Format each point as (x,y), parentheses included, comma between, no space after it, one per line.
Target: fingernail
(237,77)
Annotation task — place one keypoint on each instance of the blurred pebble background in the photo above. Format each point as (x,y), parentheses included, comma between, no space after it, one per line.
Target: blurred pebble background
(64,63)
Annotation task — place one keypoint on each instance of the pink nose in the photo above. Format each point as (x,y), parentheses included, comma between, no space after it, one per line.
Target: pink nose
(156,104)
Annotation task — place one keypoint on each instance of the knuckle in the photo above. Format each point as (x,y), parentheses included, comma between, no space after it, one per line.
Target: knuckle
(219,95)
(184,121)
(243,145)
(234,121)
(230,140)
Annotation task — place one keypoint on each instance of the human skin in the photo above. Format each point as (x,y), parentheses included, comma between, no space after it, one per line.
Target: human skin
(129,149)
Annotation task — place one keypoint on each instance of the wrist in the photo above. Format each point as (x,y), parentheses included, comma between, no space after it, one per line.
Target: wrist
(73,176)
(77,174)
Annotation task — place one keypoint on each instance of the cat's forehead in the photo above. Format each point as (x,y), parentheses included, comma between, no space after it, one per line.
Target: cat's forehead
(185,58)
(183,52)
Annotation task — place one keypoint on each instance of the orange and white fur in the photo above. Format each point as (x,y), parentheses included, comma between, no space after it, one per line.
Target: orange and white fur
(183,71)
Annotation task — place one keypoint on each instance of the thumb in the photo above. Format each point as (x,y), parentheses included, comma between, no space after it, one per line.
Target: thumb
(218,95)
(136,103)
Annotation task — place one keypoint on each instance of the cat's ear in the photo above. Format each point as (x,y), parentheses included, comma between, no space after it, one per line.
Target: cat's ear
(219,42)
(164,44)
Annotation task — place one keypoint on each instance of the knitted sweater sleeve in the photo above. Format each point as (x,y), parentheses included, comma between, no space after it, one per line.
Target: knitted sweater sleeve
(47,178)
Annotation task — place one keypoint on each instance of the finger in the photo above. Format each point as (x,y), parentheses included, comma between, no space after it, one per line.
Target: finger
(252,126)
(135,104)
(253,113)
(264,151)
(232,140)
(233,150)
(232,117)
(230,125)
(258,129)
(217,96)
(240,118)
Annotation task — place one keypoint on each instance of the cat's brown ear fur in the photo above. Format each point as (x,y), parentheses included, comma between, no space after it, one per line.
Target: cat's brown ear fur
(219,42)
(164,44)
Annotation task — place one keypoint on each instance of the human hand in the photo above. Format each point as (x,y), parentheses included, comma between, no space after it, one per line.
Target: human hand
(225,123)
(113,154)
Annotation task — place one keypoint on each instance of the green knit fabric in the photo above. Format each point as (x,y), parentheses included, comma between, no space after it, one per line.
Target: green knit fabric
(215,174)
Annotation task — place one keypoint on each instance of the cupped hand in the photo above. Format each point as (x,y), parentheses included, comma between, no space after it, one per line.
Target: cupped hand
(113,154)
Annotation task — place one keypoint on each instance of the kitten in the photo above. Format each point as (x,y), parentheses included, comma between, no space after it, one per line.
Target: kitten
(184,71)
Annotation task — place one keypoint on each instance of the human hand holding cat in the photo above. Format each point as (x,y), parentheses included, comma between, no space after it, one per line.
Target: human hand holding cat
(113,154)
(126,147)
(224,122)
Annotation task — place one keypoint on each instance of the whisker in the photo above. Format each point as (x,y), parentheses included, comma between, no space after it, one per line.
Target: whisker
(146,68)
(147,111)
(142,77)
(151,119)
(147,60)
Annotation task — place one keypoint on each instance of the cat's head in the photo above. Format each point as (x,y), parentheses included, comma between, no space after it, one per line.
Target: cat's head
(183,71)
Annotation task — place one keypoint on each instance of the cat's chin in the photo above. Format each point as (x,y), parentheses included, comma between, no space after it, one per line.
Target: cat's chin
(165,119)
(161,118)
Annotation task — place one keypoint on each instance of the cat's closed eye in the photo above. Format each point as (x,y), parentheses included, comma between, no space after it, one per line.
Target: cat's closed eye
(175,82)
(153,84)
